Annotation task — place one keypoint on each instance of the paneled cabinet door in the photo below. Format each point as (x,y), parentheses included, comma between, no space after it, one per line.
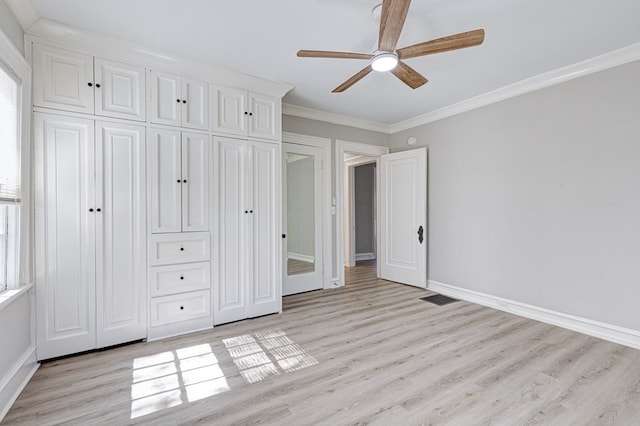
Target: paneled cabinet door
(62,79)
(179,181)
(246,279)
(65,254)
(120,90)
(230,110)
(264,121)
(121,233)
(179,101)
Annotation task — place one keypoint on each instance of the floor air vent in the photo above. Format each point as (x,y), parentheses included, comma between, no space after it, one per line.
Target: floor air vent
(439,299)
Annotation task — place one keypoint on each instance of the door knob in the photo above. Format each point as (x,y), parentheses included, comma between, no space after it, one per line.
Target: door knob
(421,234)
(284,235)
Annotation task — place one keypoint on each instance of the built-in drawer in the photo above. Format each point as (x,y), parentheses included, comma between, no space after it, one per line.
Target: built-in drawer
(166,249)
(180,307)
(172,279)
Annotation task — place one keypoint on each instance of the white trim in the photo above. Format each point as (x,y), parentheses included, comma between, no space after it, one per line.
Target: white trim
(365,256)
(9,296)
(355,148)
(24,12)
(16,380)
(610,332)
(331,117)
(66,37)
(301,257)
(325,145)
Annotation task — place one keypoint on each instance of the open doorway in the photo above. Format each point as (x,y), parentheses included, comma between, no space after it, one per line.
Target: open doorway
(360,208)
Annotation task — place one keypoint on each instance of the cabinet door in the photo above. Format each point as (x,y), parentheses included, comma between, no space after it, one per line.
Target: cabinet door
(195,182)
(121,233)
(229,290)
(264,121)
(263,239)
(195,112)
(65,235)
(122,90)
(62,79)
(166,99)
(165,180)
(230,111)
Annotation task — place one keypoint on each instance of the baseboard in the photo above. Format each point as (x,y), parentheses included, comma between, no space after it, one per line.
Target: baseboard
(610,332)
(365,256)
(299,256)
(15,381)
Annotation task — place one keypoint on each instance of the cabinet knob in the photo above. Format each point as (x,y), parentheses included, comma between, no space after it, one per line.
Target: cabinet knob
(250,211)
(181,248)
(98,210)
(90,84)
(184,102)
(182,277)
(246,211)
(184,181)
(250,113)
(91,210)
(178,100)
(182,308)
(178,181)
(98,85)
(245,113)
(284,235)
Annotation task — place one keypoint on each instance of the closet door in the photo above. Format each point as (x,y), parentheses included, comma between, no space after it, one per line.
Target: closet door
(263,230)
(121,233)
(265,118)
(165,180)
(195,103)
(120,90)
(229,111)
(62,79)
(166,99)
(65,214)
(195,182)
(229,290)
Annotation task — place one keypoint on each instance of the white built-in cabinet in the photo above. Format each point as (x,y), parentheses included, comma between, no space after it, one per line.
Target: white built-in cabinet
(178,180)
(81,83)
(246,280)
(90,220)
(242,113)
(179,101)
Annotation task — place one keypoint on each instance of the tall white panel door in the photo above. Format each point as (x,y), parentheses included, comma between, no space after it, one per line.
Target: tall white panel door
(120,90)
(229,296)
(263,229)
(62,79)
(121,233)
(403,216)
(229,111)
(65,215)
(196,108)
(264,117)
(165,180)
(195,182)
(166,99)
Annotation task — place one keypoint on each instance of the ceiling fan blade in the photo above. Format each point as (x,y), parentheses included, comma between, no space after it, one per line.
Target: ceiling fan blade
(408,75)
(353,79)
(394,12)
(329,54)
(444,44)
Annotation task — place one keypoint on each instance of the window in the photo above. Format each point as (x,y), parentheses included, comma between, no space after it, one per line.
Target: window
(10,182)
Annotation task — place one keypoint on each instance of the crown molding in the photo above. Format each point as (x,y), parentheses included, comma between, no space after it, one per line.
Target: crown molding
(580,69)
(330,117)
(599,63)
(24,12)
(54,33)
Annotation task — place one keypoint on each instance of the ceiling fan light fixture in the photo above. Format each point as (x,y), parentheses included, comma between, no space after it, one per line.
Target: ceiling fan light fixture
(384,61)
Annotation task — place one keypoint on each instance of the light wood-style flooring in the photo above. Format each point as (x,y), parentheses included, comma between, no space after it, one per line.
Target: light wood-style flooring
(371,353)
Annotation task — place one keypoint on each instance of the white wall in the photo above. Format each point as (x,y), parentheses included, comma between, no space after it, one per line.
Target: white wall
(10,27)
(536,199)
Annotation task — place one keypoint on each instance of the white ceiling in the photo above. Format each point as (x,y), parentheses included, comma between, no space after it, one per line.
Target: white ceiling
(523,38)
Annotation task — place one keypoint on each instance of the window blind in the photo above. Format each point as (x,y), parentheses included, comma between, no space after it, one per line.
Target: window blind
(9,137)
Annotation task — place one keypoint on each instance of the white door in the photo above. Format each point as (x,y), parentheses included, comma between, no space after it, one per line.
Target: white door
(120,233)
(264,121)
(166,99)
(120,90)
(165,180)
(229,296)
(62,79)
(195,182)
(65,215)
(263,229)
(403,217)
(302,218)
(230,111)
(195,104)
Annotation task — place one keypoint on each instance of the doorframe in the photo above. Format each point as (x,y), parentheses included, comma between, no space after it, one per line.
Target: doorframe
(349,205)
(358,148)
(325,145)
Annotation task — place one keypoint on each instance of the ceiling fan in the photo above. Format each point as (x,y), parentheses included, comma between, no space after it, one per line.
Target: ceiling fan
(387,58)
